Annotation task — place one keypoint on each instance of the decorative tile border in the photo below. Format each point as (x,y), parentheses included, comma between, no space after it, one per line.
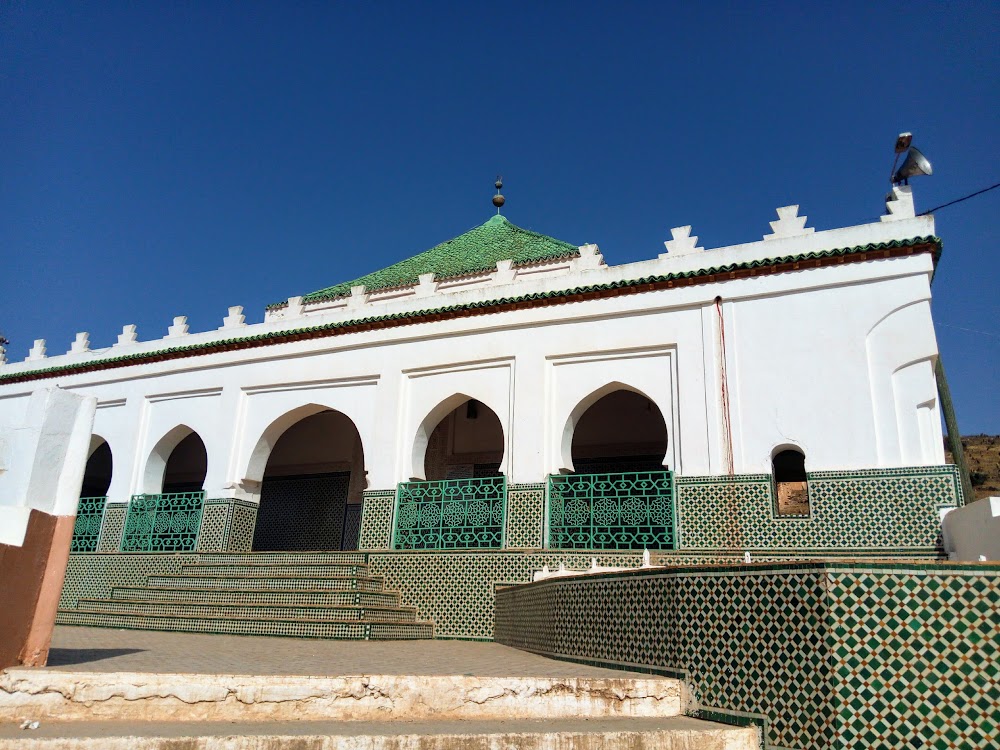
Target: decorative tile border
(112,527)
(907,650)
(525,516)
(376,519)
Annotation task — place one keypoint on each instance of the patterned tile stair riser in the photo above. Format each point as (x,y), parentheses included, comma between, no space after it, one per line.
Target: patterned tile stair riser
(823,655)
(329,596)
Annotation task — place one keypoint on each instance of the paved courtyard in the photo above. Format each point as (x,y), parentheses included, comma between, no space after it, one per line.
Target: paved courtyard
(110,650)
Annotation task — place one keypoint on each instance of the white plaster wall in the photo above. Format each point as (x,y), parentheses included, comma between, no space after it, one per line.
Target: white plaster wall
(42,458)
(835,360)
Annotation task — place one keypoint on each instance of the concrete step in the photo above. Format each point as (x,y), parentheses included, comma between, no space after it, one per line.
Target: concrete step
(227,596)
(278,569)
(670,733)
(246,611)
(360,630)
(279,558)
(245,582)
(66,695)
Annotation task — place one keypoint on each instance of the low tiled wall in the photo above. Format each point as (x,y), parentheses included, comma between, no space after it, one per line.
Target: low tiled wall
(824,655)
(92,576)
(861,510)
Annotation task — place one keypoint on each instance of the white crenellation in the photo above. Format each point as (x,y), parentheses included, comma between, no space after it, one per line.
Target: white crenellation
(899,204)
(590,258)
(235,319)
(37,351)
(505,273)
(358,298)
(789,224)
(128,335)
(427,286)
(683,243)
(3,355)
(179,328)
(81,344)
(295,308)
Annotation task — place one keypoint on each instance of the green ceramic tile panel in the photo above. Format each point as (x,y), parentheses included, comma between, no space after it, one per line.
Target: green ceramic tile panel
(93,576)
(827,656)
(859,510)
(376,519)
(112,527)
(525,516)
(227,525)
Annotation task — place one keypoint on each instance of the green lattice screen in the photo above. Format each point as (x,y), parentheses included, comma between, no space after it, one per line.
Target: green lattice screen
(626,510)
(87,528)
(450,514)
(163,523)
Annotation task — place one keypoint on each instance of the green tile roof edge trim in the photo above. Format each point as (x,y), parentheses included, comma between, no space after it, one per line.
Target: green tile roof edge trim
(476,251)
(486,307)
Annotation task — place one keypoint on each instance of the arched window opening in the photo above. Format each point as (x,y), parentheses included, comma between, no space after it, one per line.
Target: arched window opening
(460,504)
(791,482)
(312,488)
(623,431)
(466,444)
(97,475)
(186,468)
(620,495)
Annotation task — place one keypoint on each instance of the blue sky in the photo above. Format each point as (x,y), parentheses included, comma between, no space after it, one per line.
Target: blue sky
(177,158)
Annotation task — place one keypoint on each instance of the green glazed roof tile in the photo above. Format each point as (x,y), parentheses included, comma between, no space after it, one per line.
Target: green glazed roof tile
(476,251)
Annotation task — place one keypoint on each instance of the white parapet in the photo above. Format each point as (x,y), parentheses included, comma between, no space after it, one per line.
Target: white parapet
(37,351)
(235,319)
(682,243)
(899,204)
(972,532)
(81,344)
(127,336)
(179,328)
(789,224)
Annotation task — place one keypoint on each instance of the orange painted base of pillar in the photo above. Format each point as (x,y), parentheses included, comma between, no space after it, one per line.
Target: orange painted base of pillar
(31,581)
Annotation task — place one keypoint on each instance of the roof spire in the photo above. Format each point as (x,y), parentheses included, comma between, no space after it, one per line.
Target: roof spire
(498,200)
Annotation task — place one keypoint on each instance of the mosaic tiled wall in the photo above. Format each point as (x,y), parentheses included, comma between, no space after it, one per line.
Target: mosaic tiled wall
(352,526)
(112,527)
(861,510)
(302,512)
(227,525)
(456,589)
(525,516)
(93,576)
(824,655)
(376,519)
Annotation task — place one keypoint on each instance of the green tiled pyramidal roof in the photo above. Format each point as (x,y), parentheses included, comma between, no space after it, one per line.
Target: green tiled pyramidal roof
(476,251)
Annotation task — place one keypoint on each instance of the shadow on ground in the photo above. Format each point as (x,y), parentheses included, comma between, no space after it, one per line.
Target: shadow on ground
(64,657)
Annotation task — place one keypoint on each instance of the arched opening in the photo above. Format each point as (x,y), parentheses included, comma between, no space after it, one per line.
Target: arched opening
(460,505)
(97,474)
(93,496)
(312,485)
(467,443)
(621,431)
(791,483)
(186,466)
(617,493)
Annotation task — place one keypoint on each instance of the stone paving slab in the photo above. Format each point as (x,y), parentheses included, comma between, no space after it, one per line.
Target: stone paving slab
(83,649)
(674,733)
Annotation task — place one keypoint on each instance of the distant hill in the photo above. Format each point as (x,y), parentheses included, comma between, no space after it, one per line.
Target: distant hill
(982,452)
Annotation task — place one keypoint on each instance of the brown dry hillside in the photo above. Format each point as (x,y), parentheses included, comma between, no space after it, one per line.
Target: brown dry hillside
(982,452)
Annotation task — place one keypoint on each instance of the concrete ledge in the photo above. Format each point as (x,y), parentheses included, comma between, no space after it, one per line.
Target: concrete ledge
(679,733)
(128,696)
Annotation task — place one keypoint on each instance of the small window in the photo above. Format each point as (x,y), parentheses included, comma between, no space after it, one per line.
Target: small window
(791,483)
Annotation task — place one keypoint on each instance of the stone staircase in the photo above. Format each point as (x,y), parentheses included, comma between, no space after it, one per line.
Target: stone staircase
(302,595)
